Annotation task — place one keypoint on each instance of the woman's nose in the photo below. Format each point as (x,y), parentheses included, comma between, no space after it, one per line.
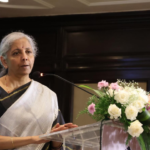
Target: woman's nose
(24,57)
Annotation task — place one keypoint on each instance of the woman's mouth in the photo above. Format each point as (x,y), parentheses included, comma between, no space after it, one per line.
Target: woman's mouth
(25,66)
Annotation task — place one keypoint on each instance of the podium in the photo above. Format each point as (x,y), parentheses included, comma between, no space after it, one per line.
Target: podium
(104,135)
(85,137)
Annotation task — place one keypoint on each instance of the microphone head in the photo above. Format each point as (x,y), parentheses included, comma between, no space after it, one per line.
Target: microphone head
(36,75)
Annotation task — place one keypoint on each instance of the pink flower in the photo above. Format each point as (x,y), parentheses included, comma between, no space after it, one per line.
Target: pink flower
(148,106)
(102,84)
(91,108)
(114,86)
(149,98)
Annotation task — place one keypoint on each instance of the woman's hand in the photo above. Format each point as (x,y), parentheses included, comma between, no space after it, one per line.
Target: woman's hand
(59,127)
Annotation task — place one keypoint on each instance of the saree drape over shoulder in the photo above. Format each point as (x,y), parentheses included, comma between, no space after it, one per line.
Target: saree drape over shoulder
(33,113)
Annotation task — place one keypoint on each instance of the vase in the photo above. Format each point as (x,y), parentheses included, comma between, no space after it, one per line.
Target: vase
(114,137)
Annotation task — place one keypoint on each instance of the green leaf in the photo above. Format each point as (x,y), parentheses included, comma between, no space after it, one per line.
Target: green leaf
(146,129)
(146,139)
(98,92)
(128,139)
(85,111)
(85,86)
(141,142)
(144,117)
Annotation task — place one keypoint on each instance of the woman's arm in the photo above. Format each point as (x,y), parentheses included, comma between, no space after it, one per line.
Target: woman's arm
(7,142)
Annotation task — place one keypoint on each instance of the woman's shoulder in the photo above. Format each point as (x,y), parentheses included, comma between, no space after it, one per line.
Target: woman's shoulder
(42,86)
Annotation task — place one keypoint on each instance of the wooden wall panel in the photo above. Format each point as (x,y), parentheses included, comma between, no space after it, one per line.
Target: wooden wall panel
(107,41)
(87,49)
(103,62)
(46,42)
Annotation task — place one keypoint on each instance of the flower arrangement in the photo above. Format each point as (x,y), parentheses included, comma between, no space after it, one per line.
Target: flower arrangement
(123,101)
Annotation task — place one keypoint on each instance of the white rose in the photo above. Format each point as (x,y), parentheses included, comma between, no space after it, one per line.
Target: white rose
(114,111)
(128,89)
(133,94)
(141,91)
(138,104)
(131,112)
(111,92)
(135,129)
(143,98)
(122,97)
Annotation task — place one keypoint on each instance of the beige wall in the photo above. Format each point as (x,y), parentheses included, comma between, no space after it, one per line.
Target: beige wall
(80,100)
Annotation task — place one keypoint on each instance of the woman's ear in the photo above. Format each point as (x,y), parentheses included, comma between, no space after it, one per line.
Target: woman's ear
(4,63)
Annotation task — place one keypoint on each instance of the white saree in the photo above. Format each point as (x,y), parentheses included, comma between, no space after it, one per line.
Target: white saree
(32,114)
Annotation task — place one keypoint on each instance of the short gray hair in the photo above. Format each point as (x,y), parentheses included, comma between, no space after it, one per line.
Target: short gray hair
(8,40)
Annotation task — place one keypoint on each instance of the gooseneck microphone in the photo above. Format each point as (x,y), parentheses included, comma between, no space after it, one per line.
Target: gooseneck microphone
(37,74)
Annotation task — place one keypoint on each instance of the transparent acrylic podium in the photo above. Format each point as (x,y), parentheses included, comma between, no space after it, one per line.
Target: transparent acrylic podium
(85,137)
(106,135)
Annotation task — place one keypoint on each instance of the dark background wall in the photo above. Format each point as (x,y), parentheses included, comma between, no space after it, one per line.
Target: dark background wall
(87,49)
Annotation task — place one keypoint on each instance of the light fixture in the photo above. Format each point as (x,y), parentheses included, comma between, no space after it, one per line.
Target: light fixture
(4,1)
(41,74)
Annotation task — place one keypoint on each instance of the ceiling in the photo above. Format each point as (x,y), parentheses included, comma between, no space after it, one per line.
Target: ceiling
(25,8)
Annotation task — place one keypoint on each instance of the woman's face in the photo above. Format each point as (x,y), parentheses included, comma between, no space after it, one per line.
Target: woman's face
(20,57)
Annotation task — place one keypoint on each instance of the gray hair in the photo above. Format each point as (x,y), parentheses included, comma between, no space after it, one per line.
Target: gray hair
(8,40)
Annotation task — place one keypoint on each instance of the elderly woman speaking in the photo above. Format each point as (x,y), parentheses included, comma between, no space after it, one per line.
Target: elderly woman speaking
(27,108)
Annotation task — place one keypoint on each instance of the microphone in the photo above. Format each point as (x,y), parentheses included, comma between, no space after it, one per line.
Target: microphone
(38,74)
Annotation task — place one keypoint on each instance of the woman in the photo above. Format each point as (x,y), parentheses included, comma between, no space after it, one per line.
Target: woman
(27,108)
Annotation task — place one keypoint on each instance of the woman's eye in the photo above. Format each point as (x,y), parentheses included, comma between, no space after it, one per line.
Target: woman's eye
(16,53)
(29,52)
